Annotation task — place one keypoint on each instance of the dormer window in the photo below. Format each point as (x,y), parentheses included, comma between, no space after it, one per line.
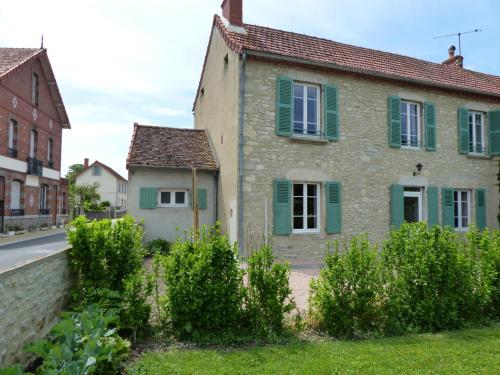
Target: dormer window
(35,87)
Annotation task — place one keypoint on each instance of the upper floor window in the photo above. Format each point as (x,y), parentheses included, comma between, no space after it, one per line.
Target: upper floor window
(305,207)
(306,107)
(50,151)
(461,209)
(12,142)
(476,133)
(96,170)
(410,124)
(35,87)
(33,143)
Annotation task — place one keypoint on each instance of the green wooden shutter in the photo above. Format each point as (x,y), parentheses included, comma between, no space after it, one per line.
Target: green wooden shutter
(282,208)
(333,207)
(284,107)
(397,205)
(463,131)
(481,208)
(394,121)
(331,114)
(447,207)
(202,199)
(147,198)
(432,206)
(430,127)
(494,132)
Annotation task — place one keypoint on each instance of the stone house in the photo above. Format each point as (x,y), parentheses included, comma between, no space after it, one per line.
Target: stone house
(318,140)
(160,167)
(112,186)
(32,117)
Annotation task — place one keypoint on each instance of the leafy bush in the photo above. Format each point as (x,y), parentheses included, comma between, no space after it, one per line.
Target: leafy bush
(81,343)
(345,298)
(268,293)
(158,245)
(108,259)
(203,280)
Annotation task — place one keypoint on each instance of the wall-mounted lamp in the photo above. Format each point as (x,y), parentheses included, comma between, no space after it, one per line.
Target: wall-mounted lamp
(419,167)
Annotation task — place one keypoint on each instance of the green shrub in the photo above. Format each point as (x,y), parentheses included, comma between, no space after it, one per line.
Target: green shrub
(108,259)
(82,343)
(345,298)
(158,245)
(429,280)
(203,287)
(268,293)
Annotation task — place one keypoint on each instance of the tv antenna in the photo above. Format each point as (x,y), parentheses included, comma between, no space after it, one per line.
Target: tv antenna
(459,37)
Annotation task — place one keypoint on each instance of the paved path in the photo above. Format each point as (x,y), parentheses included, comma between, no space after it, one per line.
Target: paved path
(16,252)
(300,276)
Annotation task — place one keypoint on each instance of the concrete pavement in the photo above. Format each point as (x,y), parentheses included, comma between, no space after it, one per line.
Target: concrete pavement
(21,250)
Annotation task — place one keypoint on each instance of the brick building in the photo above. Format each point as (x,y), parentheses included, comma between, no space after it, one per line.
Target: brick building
(32,117)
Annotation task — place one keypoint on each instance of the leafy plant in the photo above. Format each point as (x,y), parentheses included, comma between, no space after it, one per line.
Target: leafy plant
(158,245)
(268,293)
(345,298)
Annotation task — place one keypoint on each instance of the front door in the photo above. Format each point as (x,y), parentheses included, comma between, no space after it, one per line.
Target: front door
(412,205)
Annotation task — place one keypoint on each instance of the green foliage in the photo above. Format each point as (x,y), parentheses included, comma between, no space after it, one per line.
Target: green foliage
(13,370)
(203,280)
(82,343)
(423,280)
(84,195)
(345,298)
(158,245)
(73,171)
(107,257)
(267,299)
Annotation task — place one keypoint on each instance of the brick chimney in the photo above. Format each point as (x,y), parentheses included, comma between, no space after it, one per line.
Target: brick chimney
(86,163)
(452,59)
(232,11)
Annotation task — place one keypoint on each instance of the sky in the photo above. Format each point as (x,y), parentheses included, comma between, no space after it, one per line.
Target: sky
(121,61)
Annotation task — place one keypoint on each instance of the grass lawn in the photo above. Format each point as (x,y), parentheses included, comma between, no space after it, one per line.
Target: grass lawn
(473,351)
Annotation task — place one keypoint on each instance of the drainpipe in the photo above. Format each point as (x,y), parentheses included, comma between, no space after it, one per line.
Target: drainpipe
(240,153)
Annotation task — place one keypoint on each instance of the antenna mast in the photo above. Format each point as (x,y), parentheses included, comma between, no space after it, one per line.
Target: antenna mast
(459,37)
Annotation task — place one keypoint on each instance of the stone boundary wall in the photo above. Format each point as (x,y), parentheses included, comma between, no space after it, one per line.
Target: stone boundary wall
(31,297)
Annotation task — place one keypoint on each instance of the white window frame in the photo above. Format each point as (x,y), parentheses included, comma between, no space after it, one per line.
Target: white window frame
(408,125)
(98,168)
(304,208)
(473,141)
(419,195)
(305,86)
(172,198)
(460,226)
(12,131)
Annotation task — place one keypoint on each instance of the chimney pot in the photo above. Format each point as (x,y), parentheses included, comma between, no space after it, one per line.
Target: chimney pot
(451,51)
(232,11)
(86,163)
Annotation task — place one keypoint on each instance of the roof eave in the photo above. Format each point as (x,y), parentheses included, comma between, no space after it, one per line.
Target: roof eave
(277,57)
(170,167)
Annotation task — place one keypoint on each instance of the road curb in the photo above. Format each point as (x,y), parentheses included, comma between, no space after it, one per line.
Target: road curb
(8,243)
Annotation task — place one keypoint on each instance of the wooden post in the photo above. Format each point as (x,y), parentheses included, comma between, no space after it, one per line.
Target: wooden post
(194,200)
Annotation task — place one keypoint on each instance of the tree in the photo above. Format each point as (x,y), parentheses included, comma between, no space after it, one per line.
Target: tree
(84,195)
(73,171)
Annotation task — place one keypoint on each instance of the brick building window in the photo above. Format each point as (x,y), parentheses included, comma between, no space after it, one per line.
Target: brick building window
(33,143)
(44,199)
(35,88)
(50,153)
(12,143)
(15,198)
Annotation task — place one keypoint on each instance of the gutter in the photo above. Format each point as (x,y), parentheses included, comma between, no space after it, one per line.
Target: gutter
(240,152)
(343,68)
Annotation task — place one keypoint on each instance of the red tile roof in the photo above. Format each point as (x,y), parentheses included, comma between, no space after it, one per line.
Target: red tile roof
(154,146)
(299,47)
(11,58)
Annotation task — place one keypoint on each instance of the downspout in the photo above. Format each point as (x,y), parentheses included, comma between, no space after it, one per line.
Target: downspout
(240,153)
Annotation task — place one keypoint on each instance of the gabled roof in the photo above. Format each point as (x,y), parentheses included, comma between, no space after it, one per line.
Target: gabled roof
(109,169)
(154,146)
(12,59)
(299,48)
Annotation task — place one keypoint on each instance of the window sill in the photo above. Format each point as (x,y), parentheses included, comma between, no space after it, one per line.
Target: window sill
(173,206)
(413,148)
(479,156)
(308,139)
(306,231)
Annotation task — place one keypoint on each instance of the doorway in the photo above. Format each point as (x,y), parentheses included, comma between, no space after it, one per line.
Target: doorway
(412,205)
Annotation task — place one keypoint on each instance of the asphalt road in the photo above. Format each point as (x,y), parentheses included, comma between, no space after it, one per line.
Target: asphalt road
(22,251)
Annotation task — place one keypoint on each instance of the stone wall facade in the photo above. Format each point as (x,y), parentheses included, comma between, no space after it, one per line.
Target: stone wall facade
(361,159)
(31,297)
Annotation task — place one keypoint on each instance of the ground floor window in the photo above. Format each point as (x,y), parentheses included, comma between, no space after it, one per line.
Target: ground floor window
(15,195)
(305,207)
(172,198)
(461,208)
(412,204)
